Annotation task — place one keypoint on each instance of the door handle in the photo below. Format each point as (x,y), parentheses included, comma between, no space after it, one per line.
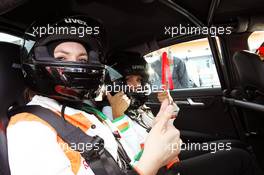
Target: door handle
(190,102)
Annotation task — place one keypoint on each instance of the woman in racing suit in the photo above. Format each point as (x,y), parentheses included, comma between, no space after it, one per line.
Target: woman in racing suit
(63,70)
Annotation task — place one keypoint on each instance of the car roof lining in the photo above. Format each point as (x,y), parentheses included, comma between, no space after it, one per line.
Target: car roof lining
(143,22)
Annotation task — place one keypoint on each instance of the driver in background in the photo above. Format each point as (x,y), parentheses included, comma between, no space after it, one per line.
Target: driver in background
(135,119)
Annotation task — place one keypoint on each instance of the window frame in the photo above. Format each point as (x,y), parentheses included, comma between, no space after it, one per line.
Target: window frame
(187,38)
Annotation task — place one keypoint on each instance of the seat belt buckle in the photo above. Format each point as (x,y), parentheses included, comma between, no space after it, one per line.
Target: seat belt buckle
(96,151)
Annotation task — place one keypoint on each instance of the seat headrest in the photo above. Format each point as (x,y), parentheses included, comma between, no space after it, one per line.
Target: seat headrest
(260,50)
(250,70)
(11,77)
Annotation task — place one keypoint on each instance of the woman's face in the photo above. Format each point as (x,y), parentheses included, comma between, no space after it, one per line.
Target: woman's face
(133,81)
(71,51)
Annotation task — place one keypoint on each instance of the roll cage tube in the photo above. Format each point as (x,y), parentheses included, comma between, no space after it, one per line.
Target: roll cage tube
(212,41)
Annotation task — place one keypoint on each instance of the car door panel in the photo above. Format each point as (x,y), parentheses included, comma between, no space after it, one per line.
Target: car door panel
(206,119)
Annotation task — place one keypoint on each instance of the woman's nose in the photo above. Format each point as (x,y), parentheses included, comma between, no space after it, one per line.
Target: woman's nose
(134,82)
(73,58)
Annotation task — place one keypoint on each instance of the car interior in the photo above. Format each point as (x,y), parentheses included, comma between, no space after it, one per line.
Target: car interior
(227,101)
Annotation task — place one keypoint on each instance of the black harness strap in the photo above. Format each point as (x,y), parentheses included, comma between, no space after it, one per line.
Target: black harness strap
(99,159)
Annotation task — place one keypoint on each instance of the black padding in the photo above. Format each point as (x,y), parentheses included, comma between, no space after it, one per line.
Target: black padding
(250,70)
(11,77)
(7,5)
(11,90)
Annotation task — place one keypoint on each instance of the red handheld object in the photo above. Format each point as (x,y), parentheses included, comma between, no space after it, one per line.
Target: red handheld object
(166,75)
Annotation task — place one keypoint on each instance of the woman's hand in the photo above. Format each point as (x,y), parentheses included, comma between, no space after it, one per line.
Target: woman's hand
(119,103)
(162,145)
(163,96)
(165,103)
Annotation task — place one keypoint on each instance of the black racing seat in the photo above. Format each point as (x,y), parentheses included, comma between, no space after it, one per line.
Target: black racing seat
(250,71)
(11,93)
(250,75)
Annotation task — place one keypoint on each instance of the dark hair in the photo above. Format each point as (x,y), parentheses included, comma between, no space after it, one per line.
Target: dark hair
(28,94)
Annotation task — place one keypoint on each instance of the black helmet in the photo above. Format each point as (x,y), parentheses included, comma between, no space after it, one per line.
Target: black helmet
(60,79)
(132,63)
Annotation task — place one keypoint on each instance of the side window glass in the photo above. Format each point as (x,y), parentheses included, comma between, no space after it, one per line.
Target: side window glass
(191,65)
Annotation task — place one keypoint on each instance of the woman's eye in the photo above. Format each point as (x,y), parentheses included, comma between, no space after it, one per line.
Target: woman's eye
(83,60)
(60,58)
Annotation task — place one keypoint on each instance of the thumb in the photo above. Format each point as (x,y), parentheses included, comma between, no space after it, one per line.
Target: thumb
(171,109)
(163,107)
(169,96)
(163,121)
(109,96)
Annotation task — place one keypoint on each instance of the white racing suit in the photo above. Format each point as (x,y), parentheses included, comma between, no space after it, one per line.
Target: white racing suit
(34,147)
